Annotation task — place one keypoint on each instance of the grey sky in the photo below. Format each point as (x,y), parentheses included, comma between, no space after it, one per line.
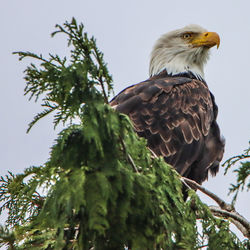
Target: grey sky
(125,32)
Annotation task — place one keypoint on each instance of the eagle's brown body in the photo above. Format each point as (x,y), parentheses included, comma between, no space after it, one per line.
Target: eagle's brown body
(177,116)
(174,109)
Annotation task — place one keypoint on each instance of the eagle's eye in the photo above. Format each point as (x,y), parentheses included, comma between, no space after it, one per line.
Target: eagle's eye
(187,35)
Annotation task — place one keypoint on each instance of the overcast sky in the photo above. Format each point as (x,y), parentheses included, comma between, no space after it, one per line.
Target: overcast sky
(125,32)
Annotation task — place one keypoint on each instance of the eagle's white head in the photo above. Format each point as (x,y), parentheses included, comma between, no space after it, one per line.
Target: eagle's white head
(183,50)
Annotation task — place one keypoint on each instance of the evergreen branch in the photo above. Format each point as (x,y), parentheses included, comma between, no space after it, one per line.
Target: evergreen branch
(22,55)
(232,160)
(71,86)
(243,172)
(39,116)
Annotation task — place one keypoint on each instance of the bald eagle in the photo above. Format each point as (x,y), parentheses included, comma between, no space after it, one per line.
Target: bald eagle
(174,109)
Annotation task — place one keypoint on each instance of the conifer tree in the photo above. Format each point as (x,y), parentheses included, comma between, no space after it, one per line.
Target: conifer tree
(101,187)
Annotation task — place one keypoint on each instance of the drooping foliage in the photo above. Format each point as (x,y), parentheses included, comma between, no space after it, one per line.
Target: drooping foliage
(243,172)
(101,187)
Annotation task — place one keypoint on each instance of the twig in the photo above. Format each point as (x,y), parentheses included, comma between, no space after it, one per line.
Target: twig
(213,196)
(103,90)
(96,55)
(131,161)
(153,153)
(238,220)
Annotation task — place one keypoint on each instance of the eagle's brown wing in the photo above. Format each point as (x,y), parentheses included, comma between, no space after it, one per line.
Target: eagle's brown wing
(177,116)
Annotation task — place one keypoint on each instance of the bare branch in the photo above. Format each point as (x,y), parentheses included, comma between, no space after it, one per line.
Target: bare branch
(238,220)
(241,228)
(218,200)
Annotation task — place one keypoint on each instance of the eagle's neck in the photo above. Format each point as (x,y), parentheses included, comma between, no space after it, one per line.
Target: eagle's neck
(177,67)
(179,62)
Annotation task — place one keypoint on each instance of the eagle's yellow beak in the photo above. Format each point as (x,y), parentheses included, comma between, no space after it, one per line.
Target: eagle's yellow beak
(207,39)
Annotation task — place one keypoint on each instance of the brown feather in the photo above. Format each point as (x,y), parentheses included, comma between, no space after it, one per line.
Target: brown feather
(177,117)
